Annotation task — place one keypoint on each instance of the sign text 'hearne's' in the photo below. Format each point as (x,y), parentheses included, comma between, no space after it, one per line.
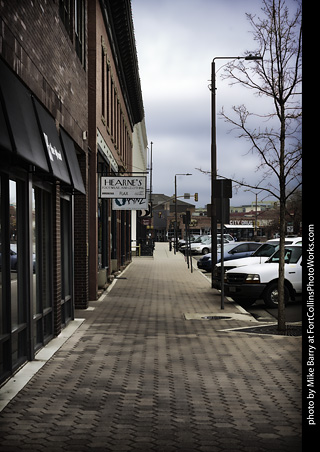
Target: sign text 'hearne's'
(123,187)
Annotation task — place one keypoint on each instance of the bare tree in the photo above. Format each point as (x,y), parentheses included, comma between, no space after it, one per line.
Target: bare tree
(278,77)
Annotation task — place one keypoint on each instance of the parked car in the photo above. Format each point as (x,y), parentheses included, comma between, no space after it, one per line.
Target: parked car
(203,239)
(229,238)
(13,259)
(201,248)
(260,281)
(182,242)
(234,250)
(260,256)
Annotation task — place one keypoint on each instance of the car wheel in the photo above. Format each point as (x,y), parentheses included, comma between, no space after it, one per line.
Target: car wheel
(270,296)
(205,251)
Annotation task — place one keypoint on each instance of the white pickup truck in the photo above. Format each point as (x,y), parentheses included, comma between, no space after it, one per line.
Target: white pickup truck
(260,281)
(260,256)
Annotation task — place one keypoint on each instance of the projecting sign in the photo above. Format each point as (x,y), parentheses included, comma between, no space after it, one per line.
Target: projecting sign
(123,187)
(129,204)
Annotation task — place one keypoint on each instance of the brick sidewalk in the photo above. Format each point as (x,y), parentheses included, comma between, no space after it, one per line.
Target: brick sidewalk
(137,376)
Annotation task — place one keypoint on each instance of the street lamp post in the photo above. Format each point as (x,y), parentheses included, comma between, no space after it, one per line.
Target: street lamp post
(175,210)
(214,154)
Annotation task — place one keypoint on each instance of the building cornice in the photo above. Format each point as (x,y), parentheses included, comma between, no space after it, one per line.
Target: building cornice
(119,25)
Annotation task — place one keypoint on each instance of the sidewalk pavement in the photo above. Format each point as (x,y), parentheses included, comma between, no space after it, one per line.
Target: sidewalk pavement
(156,365)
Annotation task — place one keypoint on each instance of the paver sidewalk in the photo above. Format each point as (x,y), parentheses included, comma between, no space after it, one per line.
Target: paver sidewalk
(138,376)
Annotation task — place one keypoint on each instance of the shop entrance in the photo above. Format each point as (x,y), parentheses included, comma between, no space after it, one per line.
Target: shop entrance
(41,268)
(26,300)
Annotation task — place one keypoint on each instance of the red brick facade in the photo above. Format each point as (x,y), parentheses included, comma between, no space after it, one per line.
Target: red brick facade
(77,61)
(36,45)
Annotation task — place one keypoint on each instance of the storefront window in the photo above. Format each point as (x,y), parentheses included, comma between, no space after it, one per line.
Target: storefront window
(26,299)
(41,269)
(103,221)
(17,217)
(14,268)
(103,228)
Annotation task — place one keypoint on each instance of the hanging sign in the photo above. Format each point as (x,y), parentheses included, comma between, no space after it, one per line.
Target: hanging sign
(123,187)
(129,204)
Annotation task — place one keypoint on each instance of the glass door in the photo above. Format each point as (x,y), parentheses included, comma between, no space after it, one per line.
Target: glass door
(17,255)
(14,283)
(41,267)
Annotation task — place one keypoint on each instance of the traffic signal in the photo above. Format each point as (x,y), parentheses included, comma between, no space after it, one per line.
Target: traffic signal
(196,196)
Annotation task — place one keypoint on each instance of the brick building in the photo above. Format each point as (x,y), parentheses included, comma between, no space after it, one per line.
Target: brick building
(115,106)
(70,98)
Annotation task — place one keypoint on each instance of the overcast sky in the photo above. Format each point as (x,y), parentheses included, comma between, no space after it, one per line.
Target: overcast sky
(176,42)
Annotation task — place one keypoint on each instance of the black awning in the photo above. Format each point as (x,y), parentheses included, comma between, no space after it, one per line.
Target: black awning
(56,156)
(19,110)
(5,142)
(73,163)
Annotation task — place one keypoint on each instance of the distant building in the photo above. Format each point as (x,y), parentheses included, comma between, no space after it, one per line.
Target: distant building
(163,218)
(261,205)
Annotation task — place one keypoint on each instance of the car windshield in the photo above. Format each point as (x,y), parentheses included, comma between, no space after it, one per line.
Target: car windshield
(201,239)
(265,250)
(229,246)
(291,255)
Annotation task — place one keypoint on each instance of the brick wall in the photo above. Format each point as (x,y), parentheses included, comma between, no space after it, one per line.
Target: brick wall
(112,120)
(56,260)
(81,294)
(35,43)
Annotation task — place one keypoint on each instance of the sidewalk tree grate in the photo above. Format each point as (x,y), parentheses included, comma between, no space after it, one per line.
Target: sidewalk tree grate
(291,330)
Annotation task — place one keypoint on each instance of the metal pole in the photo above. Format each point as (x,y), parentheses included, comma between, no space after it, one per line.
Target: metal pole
(214,152)
(189,242)
(222,245)
(175,208)
(151,180)
(213,170)
(255,224)
(176,216)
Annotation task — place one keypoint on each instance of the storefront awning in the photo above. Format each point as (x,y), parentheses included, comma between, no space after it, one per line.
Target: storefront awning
(21,117)
(55,154)
(29,131)
(5,142)
(73,163)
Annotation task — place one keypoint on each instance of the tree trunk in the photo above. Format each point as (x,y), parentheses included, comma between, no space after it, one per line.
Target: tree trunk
(281,299)
(282,186)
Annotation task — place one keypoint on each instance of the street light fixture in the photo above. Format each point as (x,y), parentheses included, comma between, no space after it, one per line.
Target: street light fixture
(214,152)
(256,208)
(175,210)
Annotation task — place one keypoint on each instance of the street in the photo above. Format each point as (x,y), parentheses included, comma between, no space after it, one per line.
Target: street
(293,311)
(260,311)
